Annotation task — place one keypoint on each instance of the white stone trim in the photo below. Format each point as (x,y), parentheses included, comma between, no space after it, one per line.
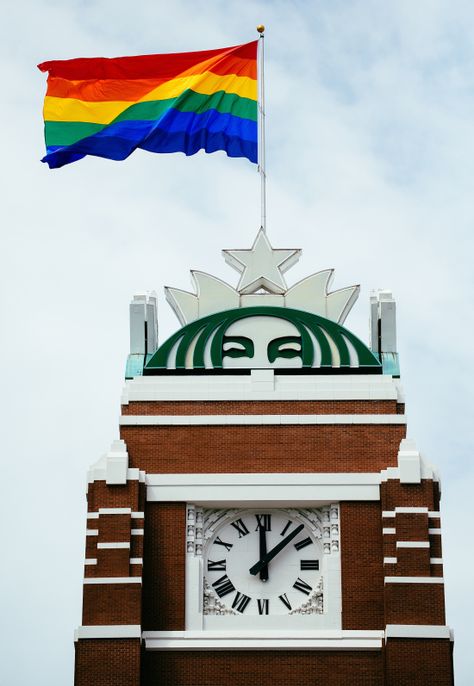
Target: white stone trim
(263,640)
(390,560)
(113,467)
(90,561)
(434,532)
(114,546)
(433,514)
(92,532)
(436,560)
(136,560)
(97,474)
(288,479)
(108,631)
(113,580)
(136,532)
(389,530)
(416,631)
(249,387)
(277,490)
(414,580)
(409,510)
(412,544)
(259,419)
(115,511)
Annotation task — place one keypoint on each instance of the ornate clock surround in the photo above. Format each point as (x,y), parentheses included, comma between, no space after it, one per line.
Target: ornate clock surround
(321,609)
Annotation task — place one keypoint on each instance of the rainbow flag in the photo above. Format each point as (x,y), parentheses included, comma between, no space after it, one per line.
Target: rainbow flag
(181,102)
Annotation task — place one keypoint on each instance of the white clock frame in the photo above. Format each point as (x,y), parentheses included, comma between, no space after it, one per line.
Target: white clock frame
(324,524)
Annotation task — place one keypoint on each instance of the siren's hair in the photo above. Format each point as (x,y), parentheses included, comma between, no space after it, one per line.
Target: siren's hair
(213,328)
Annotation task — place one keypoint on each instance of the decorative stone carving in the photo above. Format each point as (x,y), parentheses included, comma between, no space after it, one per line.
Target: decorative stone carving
(211,603)
(315,603)
(194,517)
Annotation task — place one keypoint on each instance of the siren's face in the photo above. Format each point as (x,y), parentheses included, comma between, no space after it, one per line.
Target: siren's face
(261,342)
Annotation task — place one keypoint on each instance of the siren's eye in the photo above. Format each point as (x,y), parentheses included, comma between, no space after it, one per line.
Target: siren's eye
(237,346)
(286,346)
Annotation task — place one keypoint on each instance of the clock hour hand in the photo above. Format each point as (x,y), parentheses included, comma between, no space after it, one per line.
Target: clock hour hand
(263,551)
(274,551)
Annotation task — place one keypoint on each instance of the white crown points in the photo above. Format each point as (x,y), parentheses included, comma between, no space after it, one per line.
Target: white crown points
(261,265)
(262,284)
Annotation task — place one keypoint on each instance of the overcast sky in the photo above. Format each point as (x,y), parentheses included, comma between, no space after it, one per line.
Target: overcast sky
(370,118)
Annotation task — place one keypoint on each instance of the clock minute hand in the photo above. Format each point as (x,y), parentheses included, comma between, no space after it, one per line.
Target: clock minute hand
(274,551)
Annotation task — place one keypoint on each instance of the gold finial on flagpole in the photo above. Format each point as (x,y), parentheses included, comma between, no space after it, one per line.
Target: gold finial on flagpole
(260,28)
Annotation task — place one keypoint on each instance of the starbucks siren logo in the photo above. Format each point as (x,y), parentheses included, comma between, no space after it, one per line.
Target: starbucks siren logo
(262,323)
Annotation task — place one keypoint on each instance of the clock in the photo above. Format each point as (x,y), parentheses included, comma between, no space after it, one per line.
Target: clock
(266,567)
(262,562)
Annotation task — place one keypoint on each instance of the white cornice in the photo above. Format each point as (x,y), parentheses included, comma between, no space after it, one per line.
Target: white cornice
(122,545)
(269,386)
(113,580)
(108,631)
(412,544)
(416,631)
(263,640)
(277,490)
(414,580)
(253,419)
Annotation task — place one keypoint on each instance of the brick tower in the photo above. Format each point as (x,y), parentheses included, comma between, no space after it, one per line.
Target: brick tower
(263,519)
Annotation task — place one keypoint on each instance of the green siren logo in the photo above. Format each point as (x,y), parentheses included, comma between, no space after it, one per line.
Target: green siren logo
(262,337)
(262,323)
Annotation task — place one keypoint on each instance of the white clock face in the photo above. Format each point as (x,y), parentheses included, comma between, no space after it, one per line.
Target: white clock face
(263,562)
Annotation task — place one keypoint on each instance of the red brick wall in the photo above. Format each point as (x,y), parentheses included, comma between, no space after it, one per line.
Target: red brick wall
(411,526)
(418,662)
(163,566)
(394,494)
(107,662)
(183,407)
(276,668)
(111,604)
(414,603)
(412,562)
(314,448)
(362,565)
(368,603)
(130,495)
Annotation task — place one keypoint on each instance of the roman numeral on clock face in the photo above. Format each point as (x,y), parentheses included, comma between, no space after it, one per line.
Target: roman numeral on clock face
(309,564)
(285,600)
(302,586)
(240,527)
(288,524)
(227,546)
(223,586)
(303,543)
(240,602)
(263,606)
(264,521)
(219,565)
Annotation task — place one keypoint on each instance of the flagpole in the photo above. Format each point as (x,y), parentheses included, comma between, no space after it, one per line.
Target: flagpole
(261,130)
